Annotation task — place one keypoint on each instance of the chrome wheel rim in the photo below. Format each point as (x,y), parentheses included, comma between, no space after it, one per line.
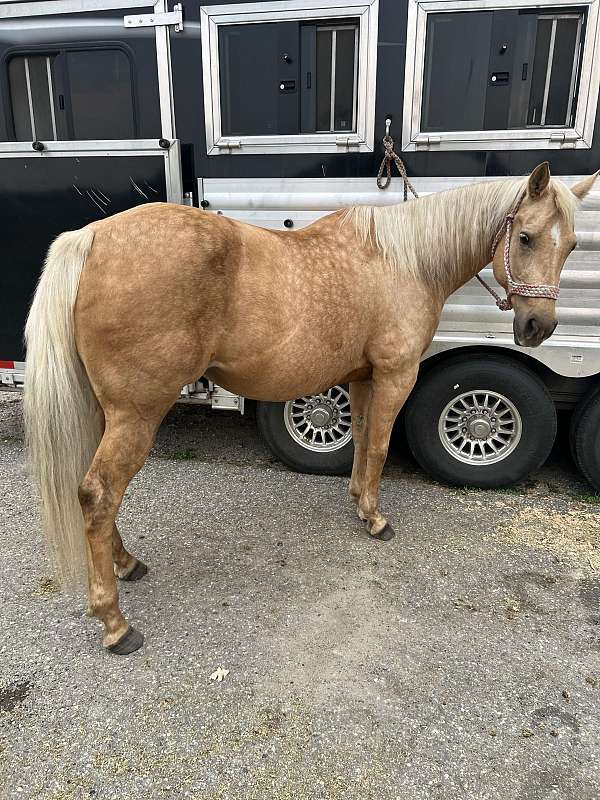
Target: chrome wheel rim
(320,422)
(480,427)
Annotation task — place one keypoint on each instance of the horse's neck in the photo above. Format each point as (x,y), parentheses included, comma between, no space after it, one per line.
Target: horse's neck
(469,249)
(467,269)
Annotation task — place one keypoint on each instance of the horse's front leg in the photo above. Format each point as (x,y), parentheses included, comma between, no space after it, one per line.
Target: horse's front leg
(390,390)
(360,397)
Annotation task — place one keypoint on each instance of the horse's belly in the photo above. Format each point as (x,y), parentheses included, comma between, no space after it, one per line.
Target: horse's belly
(277,381)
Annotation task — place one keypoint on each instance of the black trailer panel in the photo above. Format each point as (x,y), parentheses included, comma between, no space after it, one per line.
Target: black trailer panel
(81,123)
(44,196)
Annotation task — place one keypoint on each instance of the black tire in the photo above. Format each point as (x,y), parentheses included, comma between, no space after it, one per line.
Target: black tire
(495,374)
(270,418)
(585,438)
(578,412)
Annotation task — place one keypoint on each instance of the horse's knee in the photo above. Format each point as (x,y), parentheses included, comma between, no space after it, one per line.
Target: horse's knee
(358,424)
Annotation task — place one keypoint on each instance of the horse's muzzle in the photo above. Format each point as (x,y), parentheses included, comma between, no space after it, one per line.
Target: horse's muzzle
(530,329)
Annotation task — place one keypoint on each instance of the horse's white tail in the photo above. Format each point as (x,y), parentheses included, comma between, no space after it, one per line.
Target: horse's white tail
(63,425)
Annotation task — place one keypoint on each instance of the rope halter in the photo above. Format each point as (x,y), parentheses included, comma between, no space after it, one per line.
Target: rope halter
(514,287)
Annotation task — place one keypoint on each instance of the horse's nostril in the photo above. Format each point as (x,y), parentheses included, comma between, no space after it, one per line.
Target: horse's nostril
(532,328)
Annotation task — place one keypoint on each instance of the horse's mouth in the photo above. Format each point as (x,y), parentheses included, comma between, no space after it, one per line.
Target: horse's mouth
(531,330)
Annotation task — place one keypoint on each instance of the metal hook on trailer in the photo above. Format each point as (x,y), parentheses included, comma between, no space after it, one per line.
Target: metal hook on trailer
(388,156)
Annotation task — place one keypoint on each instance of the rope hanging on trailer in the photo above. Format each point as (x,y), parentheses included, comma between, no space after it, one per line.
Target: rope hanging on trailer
(386,164)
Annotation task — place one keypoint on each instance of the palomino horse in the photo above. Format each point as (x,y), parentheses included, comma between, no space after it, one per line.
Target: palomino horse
(131,308)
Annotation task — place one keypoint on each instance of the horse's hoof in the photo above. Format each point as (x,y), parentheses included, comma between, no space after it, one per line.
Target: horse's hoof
(385,534)
(131,641)
(136,573)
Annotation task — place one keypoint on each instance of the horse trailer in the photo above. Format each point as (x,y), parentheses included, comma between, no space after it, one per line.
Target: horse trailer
(273,113)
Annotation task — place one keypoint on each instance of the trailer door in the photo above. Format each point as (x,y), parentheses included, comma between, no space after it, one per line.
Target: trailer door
(86,131)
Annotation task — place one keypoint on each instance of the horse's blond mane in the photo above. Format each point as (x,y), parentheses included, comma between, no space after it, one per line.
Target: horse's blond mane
(422,239)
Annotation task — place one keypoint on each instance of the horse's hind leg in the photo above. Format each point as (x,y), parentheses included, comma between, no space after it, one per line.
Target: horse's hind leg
(360,396)
(126,442)
(127,567)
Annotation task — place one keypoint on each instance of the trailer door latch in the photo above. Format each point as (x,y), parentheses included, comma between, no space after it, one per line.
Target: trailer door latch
(174,17)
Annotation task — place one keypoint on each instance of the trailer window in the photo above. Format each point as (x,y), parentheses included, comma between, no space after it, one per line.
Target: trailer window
(100,93)
(507,77)
(32,97)
(555,70)
(72,94)
(510,70)
(284,78)
(275,83)
(335,75)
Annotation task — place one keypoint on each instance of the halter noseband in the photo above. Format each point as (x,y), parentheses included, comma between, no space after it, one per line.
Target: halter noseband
(525,289)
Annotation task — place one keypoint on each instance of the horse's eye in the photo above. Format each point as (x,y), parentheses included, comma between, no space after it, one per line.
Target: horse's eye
(524,238)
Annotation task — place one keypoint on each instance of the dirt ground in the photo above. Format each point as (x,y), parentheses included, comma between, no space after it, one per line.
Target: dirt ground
(460,660)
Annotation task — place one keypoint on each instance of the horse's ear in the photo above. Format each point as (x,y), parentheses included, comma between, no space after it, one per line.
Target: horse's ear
(583,187)
(539,180)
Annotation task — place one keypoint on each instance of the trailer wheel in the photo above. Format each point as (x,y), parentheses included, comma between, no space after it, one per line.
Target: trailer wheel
(312,433)
(585,437)
(480,421)
(576,418)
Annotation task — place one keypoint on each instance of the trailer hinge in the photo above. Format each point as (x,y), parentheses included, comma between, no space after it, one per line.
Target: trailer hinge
(567,137)
(427,141)
(347,142)
(229,144)
(174,17)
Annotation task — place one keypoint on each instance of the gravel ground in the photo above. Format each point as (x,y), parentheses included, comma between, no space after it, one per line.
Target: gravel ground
(461,660)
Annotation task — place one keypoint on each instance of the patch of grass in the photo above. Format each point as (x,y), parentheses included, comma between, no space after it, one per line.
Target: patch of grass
(594,499)
(466,490)
(571,534)
(183,455)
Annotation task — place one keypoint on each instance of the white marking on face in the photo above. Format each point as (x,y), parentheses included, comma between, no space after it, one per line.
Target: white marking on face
(555,233)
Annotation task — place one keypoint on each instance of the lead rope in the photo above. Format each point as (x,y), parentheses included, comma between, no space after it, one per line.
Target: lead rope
(386,164)
(504,304)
